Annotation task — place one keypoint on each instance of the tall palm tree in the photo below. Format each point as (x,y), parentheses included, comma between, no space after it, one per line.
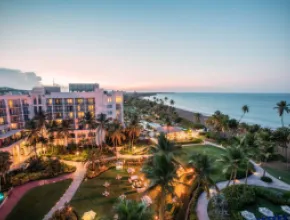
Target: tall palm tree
(102,125)
(165,99)
(134,129)
(282,107)
(172,102)
(64,131)
(281,136)
(245,109)
(266,151)
(116,133)
(89,123)
(197,117)
(50,141)
(162,176)
(5,163)
(232,159)
(203,167)
(33,135)
(133,210)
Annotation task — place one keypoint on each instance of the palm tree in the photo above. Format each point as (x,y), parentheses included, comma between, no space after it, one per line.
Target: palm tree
(5,163)
(165,99)
(281,136)
(232,159)
(89,122)
(162,176)
(116,133)
(233,126)
(197,117)
(102,124)
(203,167)
(266,151)
(33,135)
(64,131)
(282,107)
(245,109)
(172,102)
(40,118)
(166,147)
(133,130)
(133,210)
(50,141)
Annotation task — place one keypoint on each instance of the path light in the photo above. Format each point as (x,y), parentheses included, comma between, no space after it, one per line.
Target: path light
(77,153)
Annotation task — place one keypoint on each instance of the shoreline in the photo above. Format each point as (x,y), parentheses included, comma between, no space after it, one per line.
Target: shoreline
(189,115)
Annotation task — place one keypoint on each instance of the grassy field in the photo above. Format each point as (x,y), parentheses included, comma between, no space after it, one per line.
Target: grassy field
(284,174)
(89,195)
(38,201)
(212,151)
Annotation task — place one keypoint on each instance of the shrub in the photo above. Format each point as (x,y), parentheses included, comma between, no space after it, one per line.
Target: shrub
(238,196)
(67,213)
(278,198)
(266,179)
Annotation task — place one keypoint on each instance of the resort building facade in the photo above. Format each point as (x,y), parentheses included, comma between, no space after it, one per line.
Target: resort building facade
(17,109)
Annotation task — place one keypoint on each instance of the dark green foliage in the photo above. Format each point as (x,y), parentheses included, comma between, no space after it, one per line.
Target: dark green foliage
(266,179)
(237,197)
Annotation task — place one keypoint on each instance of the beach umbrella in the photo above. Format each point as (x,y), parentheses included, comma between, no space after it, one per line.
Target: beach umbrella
(90,215)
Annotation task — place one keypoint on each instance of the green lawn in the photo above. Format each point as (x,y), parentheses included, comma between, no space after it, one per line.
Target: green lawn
(284,174)
(37,202)
(212,151)
(89,195)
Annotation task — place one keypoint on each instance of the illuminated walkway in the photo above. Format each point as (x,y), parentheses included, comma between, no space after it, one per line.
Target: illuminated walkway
(78,177)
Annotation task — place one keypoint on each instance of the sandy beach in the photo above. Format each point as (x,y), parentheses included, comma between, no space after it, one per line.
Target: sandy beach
(189,115)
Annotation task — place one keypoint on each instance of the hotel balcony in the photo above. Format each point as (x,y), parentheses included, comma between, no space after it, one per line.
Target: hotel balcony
(10,137)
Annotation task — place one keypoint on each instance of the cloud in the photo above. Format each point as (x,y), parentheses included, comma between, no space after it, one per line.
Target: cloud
(18,79)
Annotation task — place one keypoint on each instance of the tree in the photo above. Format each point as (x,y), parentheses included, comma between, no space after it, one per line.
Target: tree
(233,126)
(172,102)
(232,159)
(116,133)
(166,147)
(203,168)
(133,210)
(281,136)
(162,175)
(266,151)
(282,107)
(5,163)
(33,135)
(102,124)
(134,129)
(89,123)
(197,117)
(64,131)
(245,109)
(165,99)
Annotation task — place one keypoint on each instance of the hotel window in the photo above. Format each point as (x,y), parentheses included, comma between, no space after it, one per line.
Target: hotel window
(80,101)
(69,101)
(110,112)
(71,115)
(14,126)
(49,101)
(119,99)
(81,114)
(10,103)
(109,99)
(109,106)
(91,108)
(1,121)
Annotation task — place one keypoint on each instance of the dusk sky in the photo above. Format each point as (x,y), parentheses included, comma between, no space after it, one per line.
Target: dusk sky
(222,46)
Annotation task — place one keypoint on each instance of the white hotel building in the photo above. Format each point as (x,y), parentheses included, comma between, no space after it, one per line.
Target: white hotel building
(16,109)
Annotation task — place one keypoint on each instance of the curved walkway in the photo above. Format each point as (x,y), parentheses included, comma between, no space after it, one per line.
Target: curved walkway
(78,177)
(17,193)
(254,180)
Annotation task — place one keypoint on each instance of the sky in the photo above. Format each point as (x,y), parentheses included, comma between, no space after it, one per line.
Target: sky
(152,45)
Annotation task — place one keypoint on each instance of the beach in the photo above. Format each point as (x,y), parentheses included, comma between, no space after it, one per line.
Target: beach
(189,115)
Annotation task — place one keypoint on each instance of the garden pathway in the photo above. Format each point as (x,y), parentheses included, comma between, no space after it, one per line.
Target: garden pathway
(78,177)
(17,193)
(254,179)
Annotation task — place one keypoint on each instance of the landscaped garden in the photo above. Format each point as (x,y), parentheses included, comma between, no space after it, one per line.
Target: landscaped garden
(235,199)
(282,174)
(37,202)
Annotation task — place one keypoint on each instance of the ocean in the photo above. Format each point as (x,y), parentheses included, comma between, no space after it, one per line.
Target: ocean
(261,106)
